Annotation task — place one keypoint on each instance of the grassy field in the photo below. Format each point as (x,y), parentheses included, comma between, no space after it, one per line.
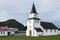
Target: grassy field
(32,38)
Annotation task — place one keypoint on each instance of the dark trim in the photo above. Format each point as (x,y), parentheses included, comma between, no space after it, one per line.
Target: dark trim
(33,18)
(38,29)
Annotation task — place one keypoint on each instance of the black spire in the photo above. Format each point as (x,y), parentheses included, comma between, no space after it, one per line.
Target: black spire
(33,9)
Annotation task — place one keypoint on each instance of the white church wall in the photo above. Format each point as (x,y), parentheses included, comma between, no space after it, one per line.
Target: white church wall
(40,33)
(41,27)
(30,26)
(35,33)
(37,24)
(49,32)
(27,33)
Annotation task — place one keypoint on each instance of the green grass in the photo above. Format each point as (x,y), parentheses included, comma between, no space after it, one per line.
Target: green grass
(33,38)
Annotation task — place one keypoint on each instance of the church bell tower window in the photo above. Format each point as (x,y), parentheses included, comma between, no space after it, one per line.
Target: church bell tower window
(29,21)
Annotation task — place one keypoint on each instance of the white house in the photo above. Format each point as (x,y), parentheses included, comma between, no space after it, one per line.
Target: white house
(3,32)
(35,27)
(6,32)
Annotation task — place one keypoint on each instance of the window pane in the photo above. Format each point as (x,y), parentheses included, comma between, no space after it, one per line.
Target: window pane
(55,30)
(3,32)
(46,30)
(51,30)
(29,21)
(37,21)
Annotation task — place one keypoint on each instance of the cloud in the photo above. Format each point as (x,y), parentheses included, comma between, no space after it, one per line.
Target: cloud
(48,10)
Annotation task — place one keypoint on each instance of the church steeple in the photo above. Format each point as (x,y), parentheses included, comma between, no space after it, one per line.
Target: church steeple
(32,22)
(33,9)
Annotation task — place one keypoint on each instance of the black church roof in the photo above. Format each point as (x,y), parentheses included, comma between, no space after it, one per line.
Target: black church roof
(48,25)
(33,9)
(38,29)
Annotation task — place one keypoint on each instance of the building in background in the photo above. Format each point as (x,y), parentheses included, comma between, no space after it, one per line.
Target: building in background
(5,31)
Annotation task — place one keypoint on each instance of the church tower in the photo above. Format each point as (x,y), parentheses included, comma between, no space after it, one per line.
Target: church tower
(32,22)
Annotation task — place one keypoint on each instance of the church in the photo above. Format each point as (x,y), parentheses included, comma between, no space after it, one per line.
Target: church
(36,27)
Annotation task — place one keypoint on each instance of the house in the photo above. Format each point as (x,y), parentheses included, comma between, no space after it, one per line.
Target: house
(5,31)
(36,27)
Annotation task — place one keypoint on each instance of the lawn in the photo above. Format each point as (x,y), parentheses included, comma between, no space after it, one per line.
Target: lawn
(32,38)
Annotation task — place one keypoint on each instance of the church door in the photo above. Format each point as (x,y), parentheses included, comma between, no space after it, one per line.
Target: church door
(30,33)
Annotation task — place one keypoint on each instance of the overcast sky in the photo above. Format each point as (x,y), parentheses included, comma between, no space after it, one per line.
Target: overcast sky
(48,10)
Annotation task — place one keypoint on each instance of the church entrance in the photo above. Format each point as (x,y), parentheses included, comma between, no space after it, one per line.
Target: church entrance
(30,33)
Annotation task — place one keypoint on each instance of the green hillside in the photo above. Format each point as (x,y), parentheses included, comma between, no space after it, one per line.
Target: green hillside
(12,24)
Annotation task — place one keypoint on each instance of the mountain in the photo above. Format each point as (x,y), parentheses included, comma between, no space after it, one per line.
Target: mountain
(12,23)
